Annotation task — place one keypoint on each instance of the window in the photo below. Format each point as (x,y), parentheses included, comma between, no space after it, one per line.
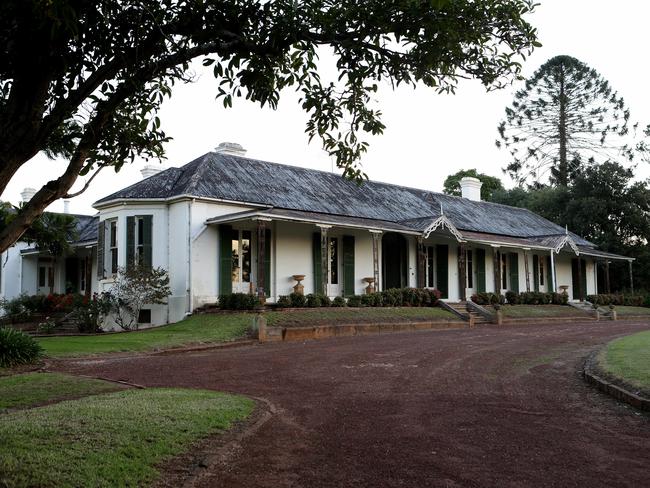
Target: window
(241,256)
(540,265)
(139,241)
(430,266)
(82,272)
(334,260)
(113,245)
(41,276)
(470,269)
(504,271)
(144,317)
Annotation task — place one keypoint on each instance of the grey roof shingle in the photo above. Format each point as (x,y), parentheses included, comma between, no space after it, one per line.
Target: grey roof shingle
(237,178)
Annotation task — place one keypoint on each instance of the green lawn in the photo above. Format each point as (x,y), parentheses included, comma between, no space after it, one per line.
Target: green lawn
(194,330)
(535,311)
(628,358)
(333,315)
(29,389)
(625,310)
(114,439)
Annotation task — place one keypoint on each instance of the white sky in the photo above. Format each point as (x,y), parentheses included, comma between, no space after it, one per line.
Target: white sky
(428,136)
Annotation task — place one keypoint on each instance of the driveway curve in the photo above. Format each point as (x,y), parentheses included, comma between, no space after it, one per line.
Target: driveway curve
(492,406)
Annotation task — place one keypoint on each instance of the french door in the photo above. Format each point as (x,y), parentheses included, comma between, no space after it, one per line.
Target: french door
(241,261)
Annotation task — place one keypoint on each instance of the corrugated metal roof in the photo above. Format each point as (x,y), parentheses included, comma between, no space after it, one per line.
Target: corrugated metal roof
(237,178)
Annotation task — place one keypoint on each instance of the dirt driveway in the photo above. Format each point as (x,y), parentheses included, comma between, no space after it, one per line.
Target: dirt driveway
(501,407)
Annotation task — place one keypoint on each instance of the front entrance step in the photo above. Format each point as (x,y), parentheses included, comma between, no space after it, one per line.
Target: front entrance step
(469,315)
(588,308)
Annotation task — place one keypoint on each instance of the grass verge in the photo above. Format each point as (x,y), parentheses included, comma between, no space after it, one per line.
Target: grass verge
(628,359)
(30,389)
(330,316)
(115,439)
(541,311)
(194,330)
(631,311)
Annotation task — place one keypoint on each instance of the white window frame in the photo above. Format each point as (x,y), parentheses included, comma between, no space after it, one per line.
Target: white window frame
(113,246)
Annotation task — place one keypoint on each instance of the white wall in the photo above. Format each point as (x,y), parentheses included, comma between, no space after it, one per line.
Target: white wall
(11,284)
(293,255)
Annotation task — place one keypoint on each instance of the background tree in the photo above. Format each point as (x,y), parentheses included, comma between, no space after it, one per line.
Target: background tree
(603,204)
(566,115)
(85,80)
(490,183)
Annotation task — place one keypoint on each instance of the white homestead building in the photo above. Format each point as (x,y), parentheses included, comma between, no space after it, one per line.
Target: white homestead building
(227,223)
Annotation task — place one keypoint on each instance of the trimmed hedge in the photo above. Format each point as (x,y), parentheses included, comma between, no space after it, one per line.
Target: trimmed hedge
(16,348)
(239,301)
(524,298)
(394,297)
(620,299)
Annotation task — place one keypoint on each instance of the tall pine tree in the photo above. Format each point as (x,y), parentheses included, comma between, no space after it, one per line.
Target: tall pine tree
(567,115)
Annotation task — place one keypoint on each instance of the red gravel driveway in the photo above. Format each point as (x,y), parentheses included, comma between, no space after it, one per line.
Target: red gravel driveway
(489,407)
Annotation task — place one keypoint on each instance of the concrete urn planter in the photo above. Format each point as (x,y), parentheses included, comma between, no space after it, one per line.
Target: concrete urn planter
(299,288)
(371,285)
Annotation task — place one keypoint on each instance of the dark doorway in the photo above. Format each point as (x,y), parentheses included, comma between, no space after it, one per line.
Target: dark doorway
(394,261)
(579,279)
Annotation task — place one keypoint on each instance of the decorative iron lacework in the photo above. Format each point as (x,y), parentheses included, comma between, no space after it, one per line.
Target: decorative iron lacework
(444,223)
(567,240)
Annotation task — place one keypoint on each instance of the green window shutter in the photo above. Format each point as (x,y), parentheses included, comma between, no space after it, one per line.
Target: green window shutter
(442,269)
(147,223)
(583,265)
(225,259)
(549,274)
(318,285)
(130,241)
(514,272)
(348,265)
(267,262)
(535,272)
(101,241)
(480,270)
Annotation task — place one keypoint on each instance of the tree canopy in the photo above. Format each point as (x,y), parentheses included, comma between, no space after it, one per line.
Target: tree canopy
(490,183)
(567,115)
(85,80)
(603,204)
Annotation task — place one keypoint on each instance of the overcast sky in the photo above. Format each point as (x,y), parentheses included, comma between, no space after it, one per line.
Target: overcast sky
(428,136)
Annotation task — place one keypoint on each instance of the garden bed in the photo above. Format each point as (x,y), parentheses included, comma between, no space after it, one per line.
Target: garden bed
(348,315)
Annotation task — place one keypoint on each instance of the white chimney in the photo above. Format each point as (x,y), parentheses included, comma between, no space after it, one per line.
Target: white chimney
(27,194)
(470,188)
(231,148)
(66,206)
(150,170)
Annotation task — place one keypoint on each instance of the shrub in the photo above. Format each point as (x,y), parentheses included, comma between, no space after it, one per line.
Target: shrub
(14,307)
(339,302)
(283,301)
(619,299)
(16,348)
(432,297)
(512,298)
(354,301)
(315,300)
(488,298)
(393,297)
(238,301)
(372,300)
(88,314)
(297,300)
